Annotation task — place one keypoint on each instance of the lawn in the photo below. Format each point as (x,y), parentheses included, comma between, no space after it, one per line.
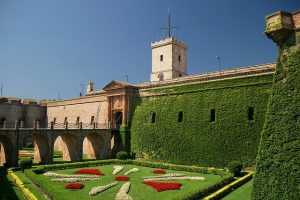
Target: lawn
(242,192)
(137,190)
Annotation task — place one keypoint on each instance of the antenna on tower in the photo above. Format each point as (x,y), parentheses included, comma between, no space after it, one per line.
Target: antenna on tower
(1,88)
(170,27)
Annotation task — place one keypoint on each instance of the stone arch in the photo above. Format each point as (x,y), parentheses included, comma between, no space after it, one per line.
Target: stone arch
(6,148)
(92,146)
(69,147)
(41,149)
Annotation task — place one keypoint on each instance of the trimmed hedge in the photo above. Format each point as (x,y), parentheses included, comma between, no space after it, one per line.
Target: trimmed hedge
(278,160)
(197,140)
(39,180)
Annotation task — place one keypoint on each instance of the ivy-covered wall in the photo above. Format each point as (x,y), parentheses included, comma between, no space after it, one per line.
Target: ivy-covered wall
(196,140)
(278,161)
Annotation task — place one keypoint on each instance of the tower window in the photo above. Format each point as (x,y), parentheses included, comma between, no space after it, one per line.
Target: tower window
(179,58)
(161,57)
(212,115)
(250,113)
(180,116)
(92,119)
(153,118)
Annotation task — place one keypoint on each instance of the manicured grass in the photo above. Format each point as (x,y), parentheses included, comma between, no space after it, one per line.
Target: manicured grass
(29,185)
(8,190)
(242,192)
(137,190)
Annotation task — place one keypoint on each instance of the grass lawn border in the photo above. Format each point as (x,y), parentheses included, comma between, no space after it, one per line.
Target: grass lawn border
(230,187)
(226,177)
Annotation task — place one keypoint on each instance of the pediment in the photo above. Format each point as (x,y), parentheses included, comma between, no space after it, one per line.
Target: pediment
(117,85)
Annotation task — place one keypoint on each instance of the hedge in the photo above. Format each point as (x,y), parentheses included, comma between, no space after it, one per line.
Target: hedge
(39,180)
(278,160)
(196,140)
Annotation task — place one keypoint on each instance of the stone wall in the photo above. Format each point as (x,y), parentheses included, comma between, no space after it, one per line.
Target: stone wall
(85,108)
(26,112)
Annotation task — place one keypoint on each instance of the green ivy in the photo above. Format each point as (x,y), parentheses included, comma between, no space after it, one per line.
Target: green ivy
(196,140)
(278,161)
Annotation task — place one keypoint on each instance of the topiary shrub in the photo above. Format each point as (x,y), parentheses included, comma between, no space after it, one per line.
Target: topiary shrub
(25,163)
(122,155)
(235,167)
(29,145)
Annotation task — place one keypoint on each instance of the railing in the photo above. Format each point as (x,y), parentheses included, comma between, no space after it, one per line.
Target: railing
(79,125)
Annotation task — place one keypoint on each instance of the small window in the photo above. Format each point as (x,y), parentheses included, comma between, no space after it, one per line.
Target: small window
(212,115)
(180,75)
(179,58)
(153,119)
(54,120)
(77,120)
(180,116)
(92,119)
(161,58)
(66,120)
(250,113)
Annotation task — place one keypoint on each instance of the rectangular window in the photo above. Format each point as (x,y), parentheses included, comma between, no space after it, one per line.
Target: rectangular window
(250,113)
(77,120)
(153,118)
(66,120)
(161,57)
(180,116)
(179,58)
(92,119)
(54,120)
(212,115)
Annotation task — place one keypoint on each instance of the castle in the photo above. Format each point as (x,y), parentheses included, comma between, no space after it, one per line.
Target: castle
(206,119)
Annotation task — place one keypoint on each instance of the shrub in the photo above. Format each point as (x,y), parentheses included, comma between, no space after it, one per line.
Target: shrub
(25,163)
(122,155)
(29,145)
(235,167)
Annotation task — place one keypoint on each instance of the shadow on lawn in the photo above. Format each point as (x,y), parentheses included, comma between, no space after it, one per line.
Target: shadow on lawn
(6,190)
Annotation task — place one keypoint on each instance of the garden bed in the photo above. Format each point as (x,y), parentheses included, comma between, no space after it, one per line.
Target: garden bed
(190,189)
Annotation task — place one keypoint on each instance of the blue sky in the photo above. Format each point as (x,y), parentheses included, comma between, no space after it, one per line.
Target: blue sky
(51,47)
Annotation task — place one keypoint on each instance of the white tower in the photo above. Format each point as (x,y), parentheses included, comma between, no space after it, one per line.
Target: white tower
(168,59)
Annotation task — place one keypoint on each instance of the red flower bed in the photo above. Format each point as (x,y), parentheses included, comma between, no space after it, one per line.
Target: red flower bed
(122,178)
(89,171)
(162,186)
(159,171)
(74,186)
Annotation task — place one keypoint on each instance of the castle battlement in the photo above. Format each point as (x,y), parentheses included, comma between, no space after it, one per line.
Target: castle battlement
(19,101)
(169,40)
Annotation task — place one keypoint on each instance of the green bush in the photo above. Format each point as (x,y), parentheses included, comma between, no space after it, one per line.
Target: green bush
(122,155)
(29,145)
(278,162)
(196,140)
(25,163)
(235,167)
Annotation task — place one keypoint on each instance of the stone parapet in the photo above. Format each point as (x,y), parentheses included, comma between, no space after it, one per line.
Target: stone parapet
(170,40)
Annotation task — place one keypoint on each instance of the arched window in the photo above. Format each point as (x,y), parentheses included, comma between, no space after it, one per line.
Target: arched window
(180,116)
(161,58)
